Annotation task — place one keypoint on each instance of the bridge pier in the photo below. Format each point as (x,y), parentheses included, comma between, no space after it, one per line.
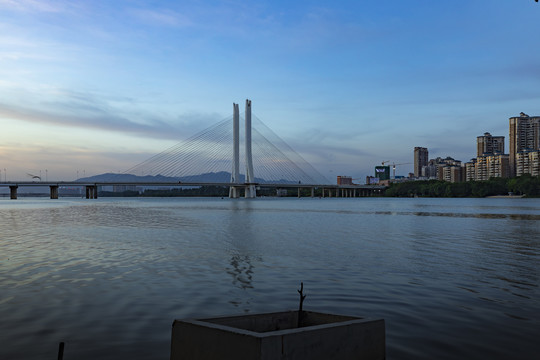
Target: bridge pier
(312,192)
(250,192)
(352,192)
(13,192)
(91,192)
(234,192)
(54,191)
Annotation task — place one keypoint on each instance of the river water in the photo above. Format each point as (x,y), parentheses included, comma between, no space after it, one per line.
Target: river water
(453,278)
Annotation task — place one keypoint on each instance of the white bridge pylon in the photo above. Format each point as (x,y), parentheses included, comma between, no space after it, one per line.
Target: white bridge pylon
(250,190)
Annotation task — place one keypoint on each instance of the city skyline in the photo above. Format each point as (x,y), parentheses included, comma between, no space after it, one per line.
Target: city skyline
(95,88)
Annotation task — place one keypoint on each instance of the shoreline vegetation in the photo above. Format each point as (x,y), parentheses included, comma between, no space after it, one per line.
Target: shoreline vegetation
(522,186)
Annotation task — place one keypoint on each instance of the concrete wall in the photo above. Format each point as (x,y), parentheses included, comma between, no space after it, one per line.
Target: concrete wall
(326,336)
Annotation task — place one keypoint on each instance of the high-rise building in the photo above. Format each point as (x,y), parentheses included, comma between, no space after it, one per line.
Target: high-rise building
(490,159)
(488,144)
(481,168)
(486,167)
(524,136)
(452,173)
(344,180)
(439,169)
(497,166)
(528,162)
(420,160)
(382,172)
(470,170)
(430,170)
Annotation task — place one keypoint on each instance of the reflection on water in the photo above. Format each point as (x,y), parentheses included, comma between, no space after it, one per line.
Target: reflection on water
(480,216)
(454,278)
(241,271)
(460,215)
(241,239)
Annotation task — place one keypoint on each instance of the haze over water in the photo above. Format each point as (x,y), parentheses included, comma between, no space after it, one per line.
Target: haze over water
(453,278)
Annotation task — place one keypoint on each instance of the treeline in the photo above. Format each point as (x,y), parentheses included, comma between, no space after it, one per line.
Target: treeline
(202,191)
(217,191)
(526,185)
(187,192)
(176,192)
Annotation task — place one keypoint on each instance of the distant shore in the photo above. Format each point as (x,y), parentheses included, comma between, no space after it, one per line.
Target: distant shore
(506,196)
(522,186)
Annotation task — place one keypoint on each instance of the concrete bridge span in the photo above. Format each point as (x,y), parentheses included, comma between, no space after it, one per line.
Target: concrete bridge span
(91,189)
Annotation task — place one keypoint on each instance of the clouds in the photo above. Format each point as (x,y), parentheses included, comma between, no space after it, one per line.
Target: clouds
(32,6)
(163,17)
(78,110)
(90,118)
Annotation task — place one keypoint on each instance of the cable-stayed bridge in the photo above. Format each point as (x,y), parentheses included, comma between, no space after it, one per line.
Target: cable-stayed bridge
(221,155)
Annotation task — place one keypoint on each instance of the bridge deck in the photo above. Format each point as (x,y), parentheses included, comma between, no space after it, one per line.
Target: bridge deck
(176,184)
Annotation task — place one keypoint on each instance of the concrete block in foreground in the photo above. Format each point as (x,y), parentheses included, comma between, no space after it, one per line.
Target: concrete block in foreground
(276,336)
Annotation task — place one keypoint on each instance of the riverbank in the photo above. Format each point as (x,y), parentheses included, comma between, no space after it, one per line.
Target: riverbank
(525,186)
(506,196)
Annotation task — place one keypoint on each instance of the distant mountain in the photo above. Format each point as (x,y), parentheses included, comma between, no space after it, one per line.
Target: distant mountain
(111,177)
(213,177)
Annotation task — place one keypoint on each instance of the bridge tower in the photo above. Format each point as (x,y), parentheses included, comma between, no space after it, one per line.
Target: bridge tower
(251,191)
(235,173)
(249,186)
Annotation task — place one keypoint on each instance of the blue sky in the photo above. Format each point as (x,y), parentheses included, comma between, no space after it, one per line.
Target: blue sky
(99,86)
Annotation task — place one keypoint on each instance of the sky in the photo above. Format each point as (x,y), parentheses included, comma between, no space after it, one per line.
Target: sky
(88,87)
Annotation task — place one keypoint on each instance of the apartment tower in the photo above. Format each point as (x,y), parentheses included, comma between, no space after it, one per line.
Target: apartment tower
(524,137)
(488,144)
(420,160)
